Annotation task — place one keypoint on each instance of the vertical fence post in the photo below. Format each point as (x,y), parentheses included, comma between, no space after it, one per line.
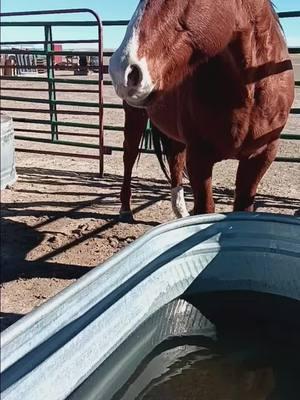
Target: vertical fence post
(51,83)
(100,98)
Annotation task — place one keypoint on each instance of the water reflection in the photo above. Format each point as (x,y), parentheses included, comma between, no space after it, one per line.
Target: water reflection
(213,378)
(180,354)
(248,359)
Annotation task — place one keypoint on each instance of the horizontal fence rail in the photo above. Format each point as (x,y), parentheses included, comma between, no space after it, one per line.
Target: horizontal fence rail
(57,85)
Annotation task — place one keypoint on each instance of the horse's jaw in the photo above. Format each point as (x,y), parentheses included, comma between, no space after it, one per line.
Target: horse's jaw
(146,102)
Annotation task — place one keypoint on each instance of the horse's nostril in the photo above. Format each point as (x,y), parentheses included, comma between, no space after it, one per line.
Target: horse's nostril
(134,77)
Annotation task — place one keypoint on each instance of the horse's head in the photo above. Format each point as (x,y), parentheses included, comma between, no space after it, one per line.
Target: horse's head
(165,41)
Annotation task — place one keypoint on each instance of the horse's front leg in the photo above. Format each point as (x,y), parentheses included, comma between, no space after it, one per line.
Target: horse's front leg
(249,174)
(200,167)
(176,160)
(135,124)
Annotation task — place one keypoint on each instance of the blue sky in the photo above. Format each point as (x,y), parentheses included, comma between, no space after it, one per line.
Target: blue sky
(109,10)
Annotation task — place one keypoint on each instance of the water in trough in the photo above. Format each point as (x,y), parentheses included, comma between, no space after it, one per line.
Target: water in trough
(236,356)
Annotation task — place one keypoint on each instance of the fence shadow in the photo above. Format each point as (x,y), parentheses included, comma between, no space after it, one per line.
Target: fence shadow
(101,202)
(17,240)
(101,196)
(142,189)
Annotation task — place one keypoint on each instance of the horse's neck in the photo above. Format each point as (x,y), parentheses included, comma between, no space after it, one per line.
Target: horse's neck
(248,10)
(259,34)
(256,50)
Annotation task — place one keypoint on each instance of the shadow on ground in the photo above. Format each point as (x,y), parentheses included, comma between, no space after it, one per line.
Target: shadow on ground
(17,239)
(7,319)
(101,202)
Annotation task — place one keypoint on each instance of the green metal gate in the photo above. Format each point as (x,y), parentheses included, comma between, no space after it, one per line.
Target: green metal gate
(54,86)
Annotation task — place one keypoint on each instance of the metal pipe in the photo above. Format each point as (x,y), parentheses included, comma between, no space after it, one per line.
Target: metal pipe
(57,80)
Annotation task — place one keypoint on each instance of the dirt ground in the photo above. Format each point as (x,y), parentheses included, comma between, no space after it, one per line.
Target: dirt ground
(60,220)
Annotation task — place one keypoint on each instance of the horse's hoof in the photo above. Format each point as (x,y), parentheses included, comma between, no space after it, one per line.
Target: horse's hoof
(126,216)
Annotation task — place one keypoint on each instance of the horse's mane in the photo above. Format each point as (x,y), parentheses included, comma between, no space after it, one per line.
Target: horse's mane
(273,9)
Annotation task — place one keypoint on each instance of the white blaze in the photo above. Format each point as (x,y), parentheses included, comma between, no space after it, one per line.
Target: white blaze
(126,56)
(178,202)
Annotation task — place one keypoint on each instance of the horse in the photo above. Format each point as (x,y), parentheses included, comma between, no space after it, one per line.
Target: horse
(214,75)
(135,125)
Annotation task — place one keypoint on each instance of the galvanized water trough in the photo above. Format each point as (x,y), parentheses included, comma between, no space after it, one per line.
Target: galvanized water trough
(8,164)
(51,351)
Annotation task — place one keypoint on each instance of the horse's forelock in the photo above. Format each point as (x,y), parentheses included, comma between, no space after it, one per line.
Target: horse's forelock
(158,26)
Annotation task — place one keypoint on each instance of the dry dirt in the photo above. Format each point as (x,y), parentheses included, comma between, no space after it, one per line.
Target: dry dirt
(60,220)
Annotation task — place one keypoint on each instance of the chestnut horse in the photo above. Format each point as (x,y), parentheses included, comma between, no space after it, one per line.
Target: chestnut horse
(135,125)
(214,75)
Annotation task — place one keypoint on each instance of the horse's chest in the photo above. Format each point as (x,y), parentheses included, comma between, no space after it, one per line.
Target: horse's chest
(229,131)
(223,129)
